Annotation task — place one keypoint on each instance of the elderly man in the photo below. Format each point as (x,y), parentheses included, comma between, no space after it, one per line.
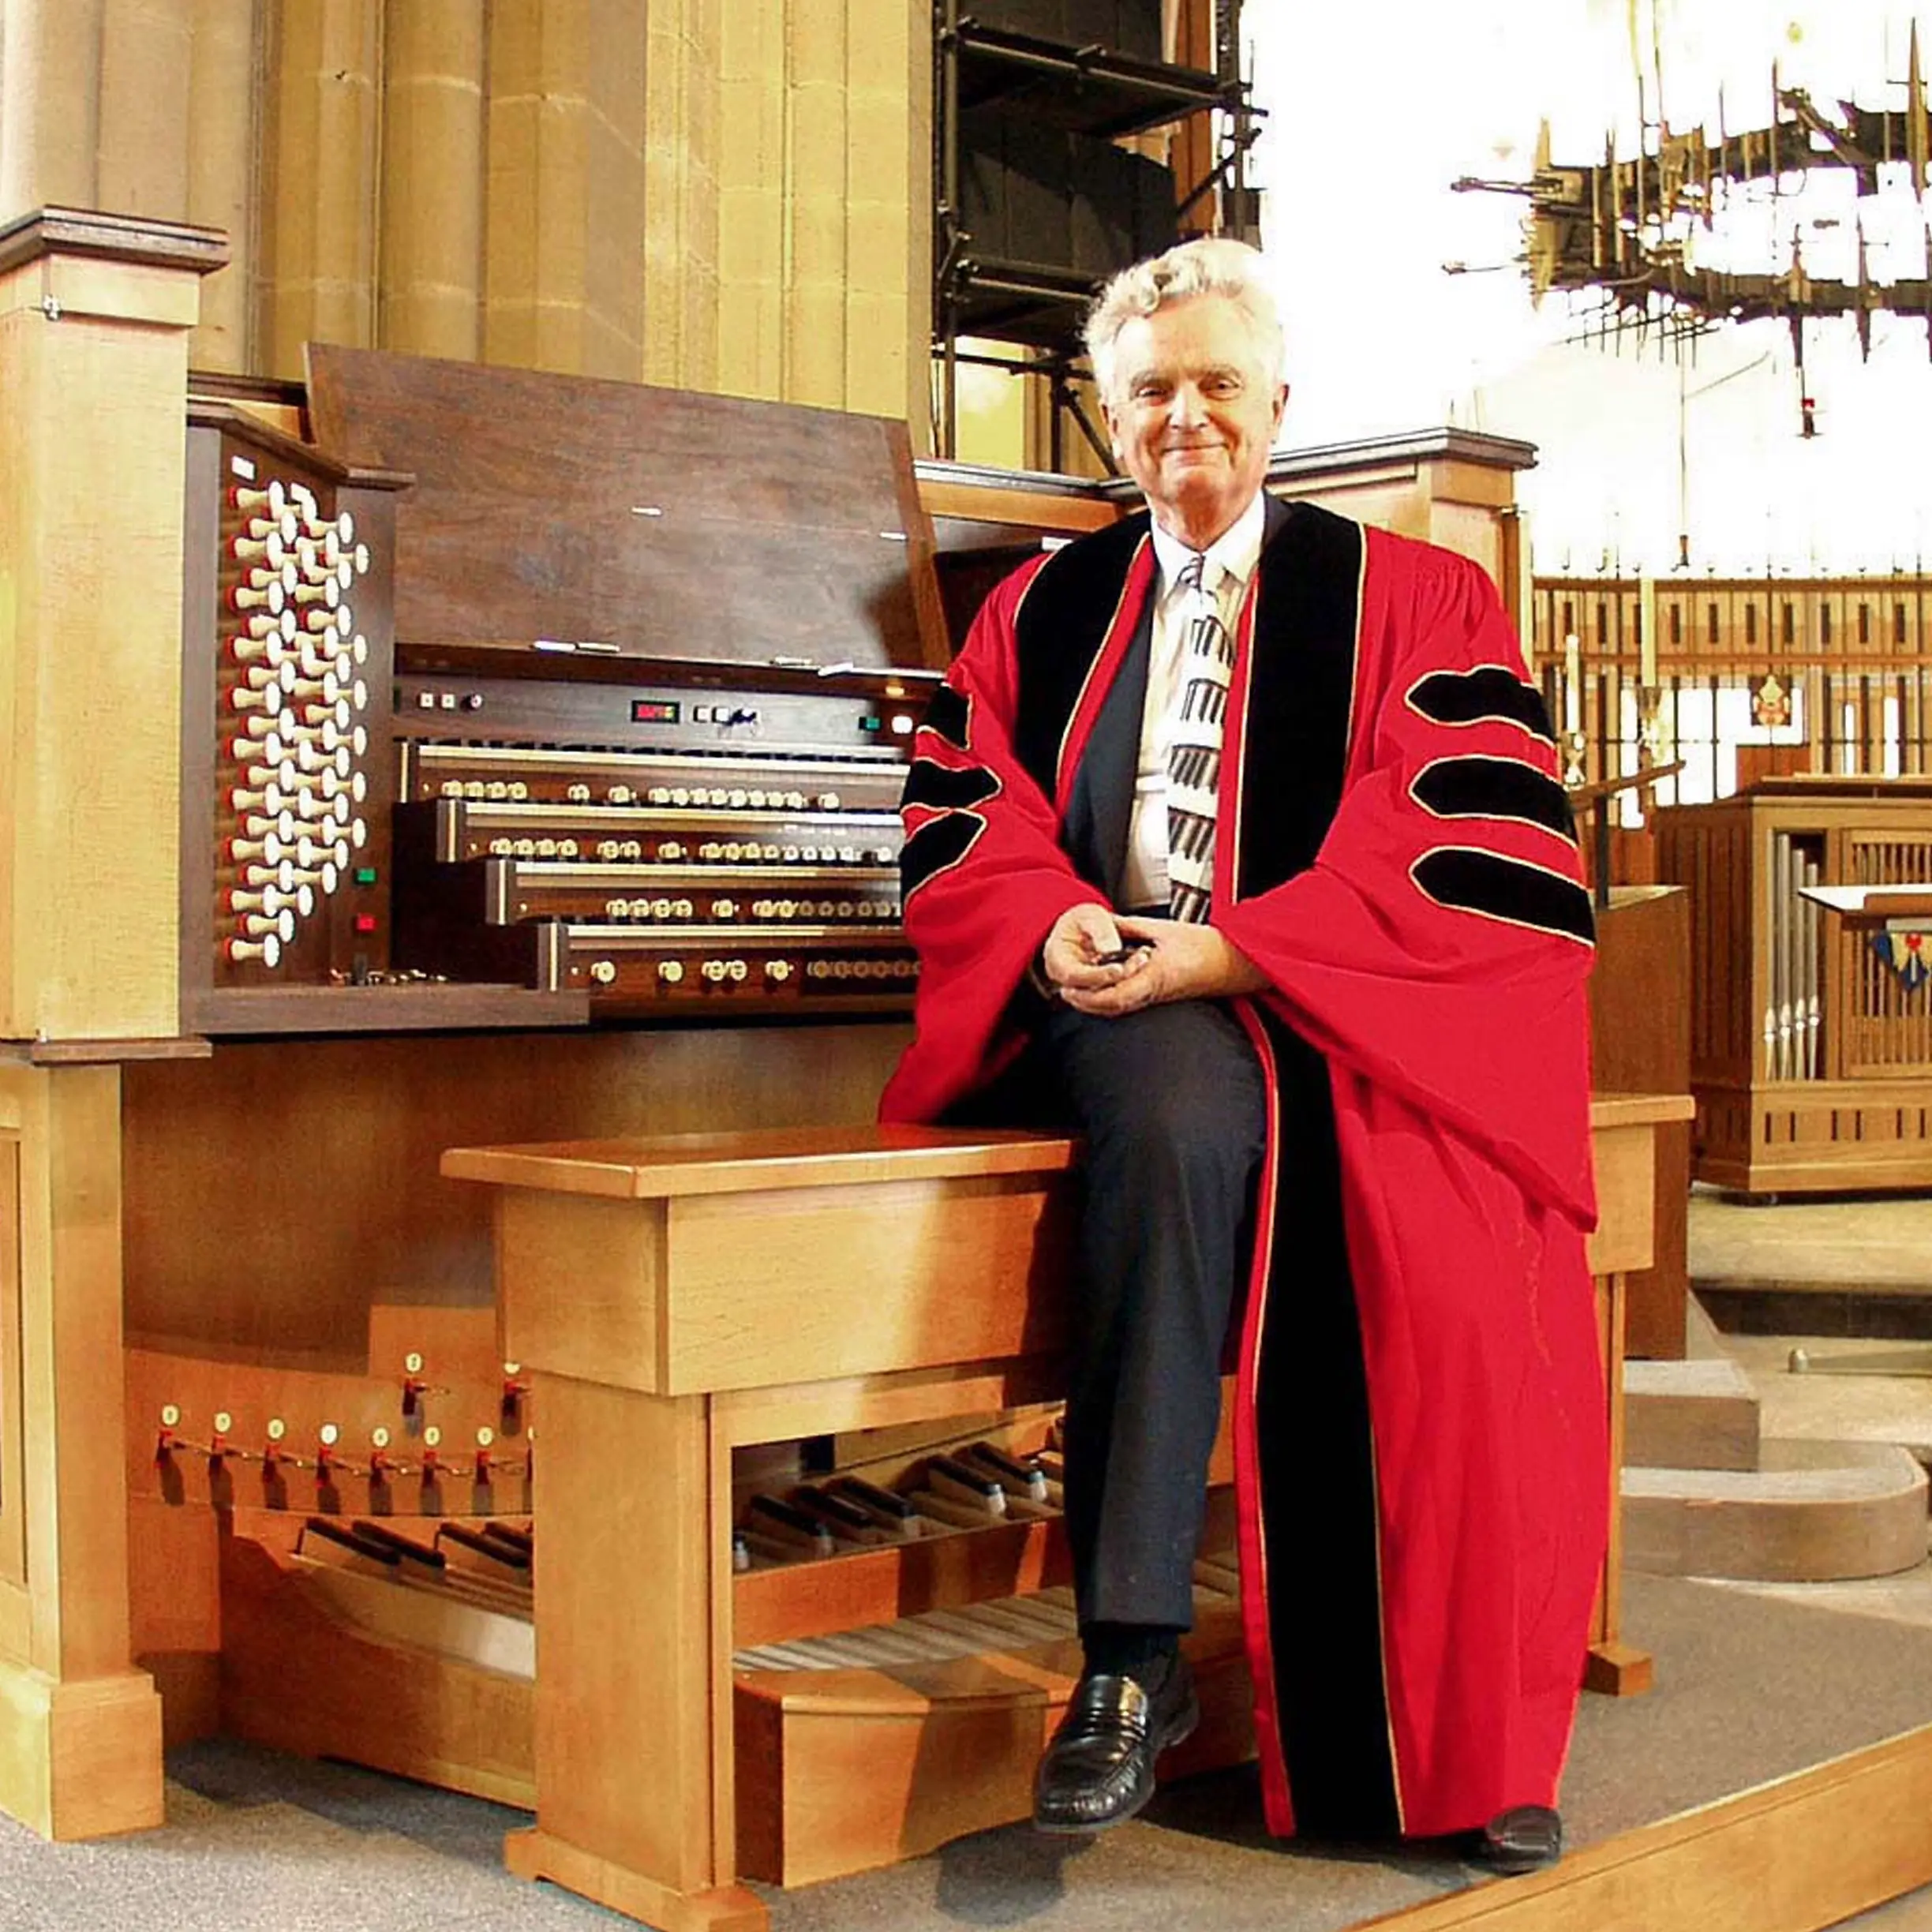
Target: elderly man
(1234,842)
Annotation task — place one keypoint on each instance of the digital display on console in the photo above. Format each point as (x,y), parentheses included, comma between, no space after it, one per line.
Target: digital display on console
(656,711)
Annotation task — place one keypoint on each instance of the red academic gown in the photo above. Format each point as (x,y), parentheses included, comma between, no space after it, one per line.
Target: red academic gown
(1419,1436)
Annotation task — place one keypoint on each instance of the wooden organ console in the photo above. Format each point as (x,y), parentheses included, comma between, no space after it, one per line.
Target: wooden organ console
(677,813)
(1811,1055)
(452,607)
(459,761)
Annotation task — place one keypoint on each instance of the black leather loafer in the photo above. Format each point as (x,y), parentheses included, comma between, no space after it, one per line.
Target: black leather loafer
(1099,1770)
(1523,1839)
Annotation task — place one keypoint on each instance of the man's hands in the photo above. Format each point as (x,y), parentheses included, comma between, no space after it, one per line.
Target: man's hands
(1165,960)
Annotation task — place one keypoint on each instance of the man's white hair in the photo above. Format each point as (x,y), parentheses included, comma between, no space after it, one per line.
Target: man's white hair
(1212,266)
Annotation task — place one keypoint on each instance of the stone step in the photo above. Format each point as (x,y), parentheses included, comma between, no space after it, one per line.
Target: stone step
(1697,1414)
(1811,1512)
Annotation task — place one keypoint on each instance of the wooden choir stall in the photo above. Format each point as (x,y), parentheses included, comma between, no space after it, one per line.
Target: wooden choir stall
(1811,1037)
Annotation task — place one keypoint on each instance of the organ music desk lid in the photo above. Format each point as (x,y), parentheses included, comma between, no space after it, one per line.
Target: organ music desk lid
(667,524)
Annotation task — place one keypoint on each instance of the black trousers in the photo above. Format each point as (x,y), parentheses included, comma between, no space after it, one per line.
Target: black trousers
(1170,1103)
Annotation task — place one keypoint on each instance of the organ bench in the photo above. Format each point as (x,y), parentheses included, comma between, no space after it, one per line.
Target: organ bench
(681,1298)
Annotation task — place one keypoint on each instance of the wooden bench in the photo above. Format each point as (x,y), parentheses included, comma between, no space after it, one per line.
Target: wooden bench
(678,1298)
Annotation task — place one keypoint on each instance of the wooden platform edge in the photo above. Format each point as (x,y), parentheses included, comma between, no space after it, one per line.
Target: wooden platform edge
(1795,1854)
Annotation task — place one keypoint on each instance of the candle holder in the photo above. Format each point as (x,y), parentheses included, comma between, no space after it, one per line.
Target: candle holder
(1578,744)
(1649,726)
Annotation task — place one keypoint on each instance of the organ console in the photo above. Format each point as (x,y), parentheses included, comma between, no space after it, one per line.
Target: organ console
(666,815)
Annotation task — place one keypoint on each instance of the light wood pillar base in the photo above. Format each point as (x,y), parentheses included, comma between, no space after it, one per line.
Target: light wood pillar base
(538,1854)
(81,1758)
(1616,1669)
(1623,1142)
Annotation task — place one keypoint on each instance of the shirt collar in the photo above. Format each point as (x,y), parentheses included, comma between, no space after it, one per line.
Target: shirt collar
(1236,550)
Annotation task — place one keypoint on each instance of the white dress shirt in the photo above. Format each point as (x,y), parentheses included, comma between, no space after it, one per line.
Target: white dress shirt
(1230,561)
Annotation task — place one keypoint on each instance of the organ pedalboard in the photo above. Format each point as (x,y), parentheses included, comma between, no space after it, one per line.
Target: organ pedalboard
(697,840)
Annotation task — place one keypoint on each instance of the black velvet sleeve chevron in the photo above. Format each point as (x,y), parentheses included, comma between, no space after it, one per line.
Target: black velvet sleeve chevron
(1494,787)
(949,714)
(946,788)
(1489,692)
(1519,894)
(935,846)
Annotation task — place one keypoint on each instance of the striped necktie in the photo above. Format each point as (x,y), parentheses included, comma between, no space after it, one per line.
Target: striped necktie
(1194,748)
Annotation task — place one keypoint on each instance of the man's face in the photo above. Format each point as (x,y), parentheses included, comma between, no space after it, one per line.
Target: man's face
(1193,414)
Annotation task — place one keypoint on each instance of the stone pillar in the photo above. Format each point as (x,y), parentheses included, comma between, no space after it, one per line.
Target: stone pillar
(146,73)
(825,206)
(224,171)
(816,188)
(685,150)
(318,263)
(751,203)
(617,193)
(564,240)
(432,180)
(50,104)
(888,213)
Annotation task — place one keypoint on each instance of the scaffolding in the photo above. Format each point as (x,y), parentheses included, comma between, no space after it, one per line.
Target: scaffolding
(1033,308)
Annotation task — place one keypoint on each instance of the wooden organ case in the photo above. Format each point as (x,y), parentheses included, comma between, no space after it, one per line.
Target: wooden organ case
(1810,1055)
(518,710)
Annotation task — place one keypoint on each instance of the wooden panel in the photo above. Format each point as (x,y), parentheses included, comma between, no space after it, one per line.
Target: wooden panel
(761,1159)
(677,525)
(779,1287)
(71,1291)
(87,651)
(1640,1042)
(1850,1111)
(788,1410)
(939,1751)
(582,1286)
(641,1660)
(218,1262)
(80,1730)
(1754,1863)
(359,1696)
(12,1441)
(897,1580)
